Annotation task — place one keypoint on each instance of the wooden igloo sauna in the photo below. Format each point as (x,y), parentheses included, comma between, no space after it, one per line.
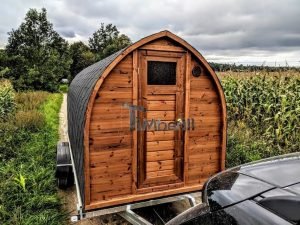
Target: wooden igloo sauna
(146,122)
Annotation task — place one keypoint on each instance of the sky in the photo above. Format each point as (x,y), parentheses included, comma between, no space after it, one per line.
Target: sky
(225,31)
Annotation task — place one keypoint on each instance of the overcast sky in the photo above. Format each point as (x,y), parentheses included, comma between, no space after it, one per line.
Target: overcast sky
(240,31)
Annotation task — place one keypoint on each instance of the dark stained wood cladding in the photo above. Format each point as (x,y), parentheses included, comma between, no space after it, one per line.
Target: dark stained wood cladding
(110,139)
(80,90)
(205,142)
(112,165)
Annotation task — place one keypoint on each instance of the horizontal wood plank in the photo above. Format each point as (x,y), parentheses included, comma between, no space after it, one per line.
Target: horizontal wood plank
(160,165)
(119,139)
(161,105)
(124,116)
(159,155)
(110,174)
(160,145)
(203,95)
(203,131)
(160,135)
(161,89)
(114,88)
(112,94)
(110,192)
(110,182)
(206,138)
(121,167)
(157,47)
(107,124)
(159,173)
(160,115)
(110,155)
(210,156)
(204,145)
(120,78)
(203,170)
(204,107)
(109,131)
(161,97)
(203,83)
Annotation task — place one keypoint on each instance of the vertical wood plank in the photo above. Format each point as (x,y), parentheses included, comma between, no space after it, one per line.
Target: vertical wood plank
(187,114)
(141,134)
(134,135)
(179,142)
(87,187)
(87,193)
(224,138)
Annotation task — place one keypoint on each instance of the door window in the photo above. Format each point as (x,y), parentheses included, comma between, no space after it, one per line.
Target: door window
(161,73)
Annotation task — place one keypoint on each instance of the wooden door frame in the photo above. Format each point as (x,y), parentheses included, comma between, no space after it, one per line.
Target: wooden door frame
(144,183)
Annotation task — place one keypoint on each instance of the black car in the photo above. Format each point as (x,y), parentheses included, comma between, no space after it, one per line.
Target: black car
(264,192)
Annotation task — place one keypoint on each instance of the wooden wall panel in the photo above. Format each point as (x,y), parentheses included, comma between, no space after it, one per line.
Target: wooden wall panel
(205,141)
(113,147)
(110,139)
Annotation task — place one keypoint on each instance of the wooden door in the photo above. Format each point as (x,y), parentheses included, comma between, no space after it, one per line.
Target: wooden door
(160,131)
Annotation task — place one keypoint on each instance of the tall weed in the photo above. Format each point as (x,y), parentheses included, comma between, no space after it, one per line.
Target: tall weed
(7,102)
(30,100)
(31,120)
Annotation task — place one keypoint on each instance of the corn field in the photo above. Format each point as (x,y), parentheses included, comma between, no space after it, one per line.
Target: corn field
(263,114)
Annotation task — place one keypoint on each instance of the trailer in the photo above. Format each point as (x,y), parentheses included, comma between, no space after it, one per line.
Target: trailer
(146,125)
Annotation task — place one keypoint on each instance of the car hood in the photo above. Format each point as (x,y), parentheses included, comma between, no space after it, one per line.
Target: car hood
(245,182)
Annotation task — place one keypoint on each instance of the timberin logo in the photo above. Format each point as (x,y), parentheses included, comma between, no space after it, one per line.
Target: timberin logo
(156,124)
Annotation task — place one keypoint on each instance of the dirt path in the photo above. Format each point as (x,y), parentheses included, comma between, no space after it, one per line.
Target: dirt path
(70,199)
(63,123)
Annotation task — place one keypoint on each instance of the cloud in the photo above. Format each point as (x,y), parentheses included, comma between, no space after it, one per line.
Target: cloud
(221,29)
(67,33)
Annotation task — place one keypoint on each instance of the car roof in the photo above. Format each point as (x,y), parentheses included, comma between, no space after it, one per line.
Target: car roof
(271,186)
(279,172)
(247,181)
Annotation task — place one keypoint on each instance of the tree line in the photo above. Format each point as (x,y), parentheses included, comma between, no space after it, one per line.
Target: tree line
(36,57)
(223,67)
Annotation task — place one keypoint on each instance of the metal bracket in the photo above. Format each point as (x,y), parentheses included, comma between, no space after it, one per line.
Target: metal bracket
(66,164)
(75,219)
(191,199)
(133,218)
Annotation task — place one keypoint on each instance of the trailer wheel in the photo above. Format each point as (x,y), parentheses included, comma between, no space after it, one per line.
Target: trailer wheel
(64,171)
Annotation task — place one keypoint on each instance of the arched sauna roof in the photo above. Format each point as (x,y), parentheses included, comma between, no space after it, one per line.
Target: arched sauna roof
(83,89)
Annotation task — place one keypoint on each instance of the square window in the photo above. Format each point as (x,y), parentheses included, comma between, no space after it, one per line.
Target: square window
(161,73)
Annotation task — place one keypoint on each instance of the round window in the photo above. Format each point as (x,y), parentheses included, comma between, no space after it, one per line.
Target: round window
(196,71)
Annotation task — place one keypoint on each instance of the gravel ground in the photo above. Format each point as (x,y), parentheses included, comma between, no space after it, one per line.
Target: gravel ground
(166,211)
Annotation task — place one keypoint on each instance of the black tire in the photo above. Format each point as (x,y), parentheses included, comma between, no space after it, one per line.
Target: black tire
(64,172)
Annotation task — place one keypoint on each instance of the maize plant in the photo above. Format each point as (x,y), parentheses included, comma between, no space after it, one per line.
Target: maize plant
(269,105)
(7,103)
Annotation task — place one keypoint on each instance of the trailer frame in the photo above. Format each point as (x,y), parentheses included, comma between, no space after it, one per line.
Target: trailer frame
(126,210)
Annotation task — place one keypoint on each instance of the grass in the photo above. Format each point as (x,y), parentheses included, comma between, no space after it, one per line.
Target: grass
(63,88)
(28,193)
